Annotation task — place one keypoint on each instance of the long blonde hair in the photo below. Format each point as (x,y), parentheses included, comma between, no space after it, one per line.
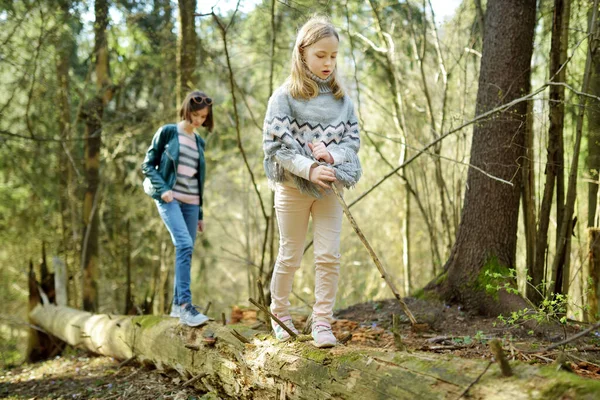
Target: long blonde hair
(300,84)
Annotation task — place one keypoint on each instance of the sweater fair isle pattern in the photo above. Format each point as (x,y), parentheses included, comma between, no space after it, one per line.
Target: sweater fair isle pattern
(290,124)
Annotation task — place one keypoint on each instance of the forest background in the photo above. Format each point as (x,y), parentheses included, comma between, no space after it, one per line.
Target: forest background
(85,85)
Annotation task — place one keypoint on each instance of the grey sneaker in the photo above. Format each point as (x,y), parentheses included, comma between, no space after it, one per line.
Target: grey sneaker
(176,310)
(191,317)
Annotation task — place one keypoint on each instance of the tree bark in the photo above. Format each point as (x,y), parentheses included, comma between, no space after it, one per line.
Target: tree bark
(528,195)
(593,159)
(593,293)
(487,235)
(561,262)
(92,113)
(187,48)
(40,345)
(265,369)
(554,167)
(65,47)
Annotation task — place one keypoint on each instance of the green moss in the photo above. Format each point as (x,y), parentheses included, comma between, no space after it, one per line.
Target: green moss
(147,321)
(487,280)
(441,278)
(312,353)
(349,357)
(568,383)
(427,295)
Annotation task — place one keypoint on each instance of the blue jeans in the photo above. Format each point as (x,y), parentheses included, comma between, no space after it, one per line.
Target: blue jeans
(181,220)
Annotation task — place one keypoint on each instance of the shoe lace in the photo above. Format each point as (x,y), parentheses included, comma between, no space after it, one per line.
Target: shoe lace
(320,328)
(192,310)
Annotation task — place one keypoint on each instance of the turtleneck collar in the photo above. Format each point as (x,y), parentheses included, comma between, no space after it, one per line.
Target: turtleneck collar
(323,84)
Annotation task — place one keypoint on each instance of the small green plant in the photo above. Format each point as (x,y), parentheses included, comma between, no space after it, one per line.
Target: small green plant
(552,308)
(480,337)
(462,340)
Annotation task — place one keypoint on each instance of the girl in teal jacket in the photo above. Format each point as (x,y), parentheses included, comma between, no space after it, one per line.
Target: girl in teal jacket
(174,167)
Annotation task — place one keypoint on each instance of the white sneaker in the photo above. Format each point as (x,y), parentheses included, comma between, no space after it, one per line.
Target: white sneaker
(280,333)
(323,335)
(191,317)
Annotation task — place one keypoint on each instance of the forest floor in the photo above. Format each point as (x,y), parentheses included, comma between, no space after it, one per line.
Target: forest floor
(79,375)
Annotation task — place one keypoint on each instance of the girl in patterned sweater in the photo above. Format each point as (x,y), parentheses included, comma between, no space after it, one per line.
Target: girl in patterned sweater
(174,168)
(310,140)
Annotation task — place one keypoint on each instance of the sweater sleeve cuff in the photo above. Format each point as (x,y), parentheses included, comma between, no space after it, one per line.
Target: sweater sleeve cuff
(303,165)
(338,156)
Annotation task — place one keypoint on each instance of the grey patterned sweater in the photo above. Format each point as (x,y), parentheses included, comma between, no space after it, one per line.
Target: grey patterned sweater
(292,123)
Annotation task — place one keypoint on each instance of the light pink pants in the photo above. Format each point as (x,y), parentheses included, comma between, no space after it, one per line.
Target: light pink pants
(293,210)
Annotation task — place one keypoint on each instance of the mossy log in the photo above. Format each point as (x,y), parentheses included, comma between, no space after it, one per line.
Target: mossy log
(265,369)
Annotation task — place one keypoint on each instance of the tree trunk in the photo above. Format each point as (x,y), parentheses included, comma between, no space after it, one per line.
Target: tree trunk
(265,369)
(593,294)
(561,262)
(554,167)
(40,345)
(593,160)
(64,49)
(92,115)
(187,48)
(487,235)
(528,195)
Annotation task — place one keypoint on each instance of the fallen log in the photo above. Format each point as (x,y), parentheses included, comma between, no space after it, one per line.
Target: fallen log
(264,369)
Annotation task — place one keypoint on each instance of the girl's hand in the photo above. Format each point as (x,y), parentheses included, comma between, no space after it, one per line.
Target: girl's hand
(320,152)
(322,176)
(201,226)
(167,196)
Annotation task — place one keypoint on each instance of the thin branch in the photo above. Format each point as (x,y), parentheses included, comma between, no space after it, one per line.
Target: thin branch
(370,43)
(445,135)
(463,394)
(237,117)
(572,338)
(572,89)
(277,320)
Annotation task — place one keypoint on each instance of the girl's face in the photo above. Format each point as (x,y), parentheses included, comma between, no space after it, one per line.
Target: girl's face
(198,117)
(320,56)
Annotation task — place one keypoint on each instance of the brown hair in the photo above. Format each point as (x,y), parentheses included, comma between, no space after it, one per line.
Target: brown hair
(301,86)
(195,101)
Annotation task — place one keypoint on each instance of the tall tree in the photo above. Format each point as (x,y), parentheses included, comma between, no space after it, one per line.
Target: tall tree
(92,115)
(554,168)
(187,47)
(593,160)
(487,235)
(65,47)
(561,263)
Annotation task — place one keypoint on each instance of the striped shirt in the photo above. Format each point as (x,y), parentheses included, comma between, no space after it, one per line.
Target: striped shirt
(186,188)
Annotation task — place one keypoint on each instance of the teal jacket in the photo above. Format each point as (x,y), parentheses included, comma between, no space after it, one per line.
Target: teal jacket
(161,161)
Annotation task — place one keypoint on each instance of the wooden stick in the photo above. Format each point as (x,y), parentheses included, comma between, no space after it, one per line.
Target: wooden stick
(239,336)
(223,319)
(474,382)
(124,363)
(207,308)
(194,379)
(496,348)
(345,339)
(378,263)
(396,332)
(270,314)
